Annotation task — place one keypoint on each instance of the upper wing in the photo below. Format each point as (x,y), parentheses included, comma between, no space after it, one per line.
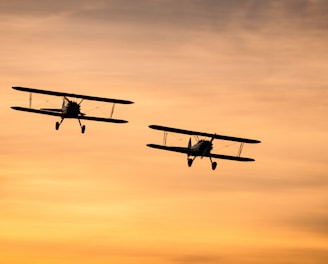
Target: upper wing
(216,136)
(52,113)
(86,97)
(187,151)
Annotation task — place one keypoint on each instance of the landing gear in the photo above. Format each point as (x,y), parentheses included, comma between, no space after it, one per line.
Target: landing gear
(214,164)
(190,161)
(82,127)
(59,123)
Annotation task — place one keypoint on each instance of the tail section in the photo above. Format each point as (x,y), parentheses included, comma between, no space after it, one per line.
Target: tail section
(63,103)
(190,160)
(189,147)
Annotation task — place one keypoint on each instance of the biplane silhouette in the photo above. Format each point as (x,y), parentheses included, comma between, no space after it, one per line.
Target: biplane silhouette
(69,108)
(202,148)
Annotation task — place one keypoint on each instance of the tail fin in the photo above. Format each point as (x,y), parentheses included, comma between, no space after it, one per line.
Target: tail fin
(189,144)
(189,149)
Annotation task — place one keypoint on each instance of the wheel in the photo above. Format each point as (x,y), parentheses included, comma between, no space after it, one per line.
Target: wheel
(214,164)
(57,125)
(83,129)
(190,162)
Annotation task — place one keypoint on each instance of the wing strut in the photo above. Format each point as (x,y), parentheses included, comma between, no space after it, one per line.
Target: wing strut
(165,138)
(30,100)
(240,149)
(112,112)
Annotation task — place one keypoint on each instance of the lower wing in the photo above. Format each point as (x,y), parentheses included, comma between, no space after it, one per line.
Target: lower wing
(191,153)
(227,157)
(57,113)
(175,149)
(102,119)
(37,111)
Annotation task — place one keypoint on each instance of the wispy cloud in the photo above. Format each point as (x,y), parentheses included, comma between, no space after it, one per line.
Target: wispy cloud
(203,15)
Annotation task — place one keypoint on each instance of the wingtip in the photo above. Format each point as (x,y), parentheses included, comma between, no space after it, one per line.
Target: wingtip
(121,121)
(253,141)
(126,102)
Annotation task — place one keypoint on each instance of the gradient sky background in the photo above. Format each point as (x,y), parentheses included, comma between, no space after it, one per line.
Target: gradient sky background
(252,68)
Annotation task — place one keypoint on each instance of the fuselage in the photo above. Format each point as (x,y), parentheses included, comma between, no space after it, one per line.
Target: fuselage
(71,110)
(201,148)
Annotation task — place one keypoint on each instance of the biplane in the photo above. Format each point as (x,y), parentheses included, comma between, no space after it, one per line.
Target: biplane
(69,108)
(203,147)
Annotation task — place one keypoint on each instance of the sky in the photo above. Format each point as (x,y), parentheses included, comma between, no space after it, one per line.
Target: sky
(247,68)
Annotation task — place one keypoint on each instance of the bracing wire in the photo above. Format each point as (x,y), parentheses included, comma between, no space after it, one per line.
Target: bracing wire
(227,146)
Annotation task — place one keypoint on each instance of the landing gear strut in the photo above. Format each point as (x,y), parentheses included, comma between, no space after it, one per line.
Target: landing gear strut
(61,121)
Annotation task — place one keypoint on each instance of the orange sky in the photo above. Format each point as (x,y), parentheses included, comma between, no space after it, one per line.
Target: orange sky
(255,69)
